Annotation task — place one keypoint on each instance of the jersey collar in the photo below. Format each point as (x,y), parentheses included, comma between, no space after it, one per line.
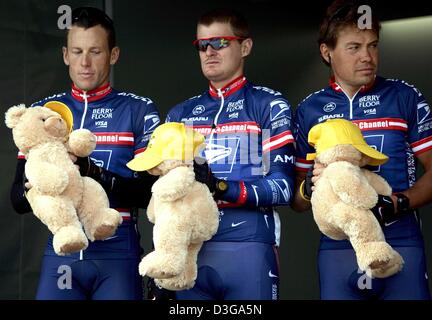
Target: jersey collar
(336,87)
(230,88)
(91,95)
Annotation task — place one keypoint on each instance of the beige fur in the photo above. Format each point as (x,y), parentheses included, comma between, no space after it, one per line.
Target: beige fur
(63,200)
(341,203)
(184,215)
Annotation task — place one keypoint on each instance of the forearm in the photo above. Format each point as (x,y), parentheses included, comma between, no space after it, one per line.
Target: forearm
(17,193)
(135,192)
(420,193)
(299,204)
(273,190)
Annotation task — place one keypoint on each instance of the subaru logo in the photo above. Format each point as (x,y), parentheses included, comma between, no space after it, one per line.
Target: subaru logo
(198,109)
(329,107)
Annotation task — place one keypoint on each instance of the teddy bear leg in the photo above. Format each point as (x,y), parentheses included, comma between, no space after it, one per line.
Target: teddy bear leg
(374,254)
(186,279)
(59,215)
(379,259)
(170,254)
(99,220)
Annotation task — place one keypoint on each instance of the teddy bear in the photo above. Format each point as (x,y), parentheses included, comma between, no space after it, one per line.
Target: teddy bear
(182,210)
(73,207)
(345,193)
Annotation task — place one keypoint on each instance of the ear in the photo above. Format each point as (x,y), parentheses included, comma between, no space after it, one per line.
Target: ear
(14,114)
(325,52)
(65,56)
(246,47)
(115,53)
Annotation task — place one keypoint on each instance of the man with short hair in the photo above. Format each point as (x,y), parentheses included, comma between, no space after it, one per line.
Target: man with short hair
(250,152)
(394,119)
(123,123)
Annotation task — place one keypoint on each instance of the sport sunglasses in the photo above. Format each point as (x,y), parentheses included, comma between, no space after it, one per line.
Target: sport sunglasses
(216,43)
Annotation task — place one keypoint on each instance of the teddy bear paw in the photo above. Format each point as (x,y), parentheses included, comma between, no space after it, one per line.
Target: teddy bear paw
(155,266)
(108,227)
(380,260)
(68,240)
(176,283)
(384,269)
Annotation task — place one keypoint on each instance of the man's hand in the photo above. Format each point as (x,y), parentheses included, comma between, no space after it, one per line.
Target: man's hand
(87,167)
(158,293)
(204,174)
(384,210)
(311,178)
(27,184)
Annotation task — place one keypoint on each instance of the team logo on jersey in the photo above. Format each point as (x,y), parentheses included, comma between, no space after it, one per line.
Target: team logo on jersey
(101,124)
(375,141)
(102,113)
(330,116)
(369,101)
(102,158)
(282,186)
(278,109)
(233,115)
(221,153)
(369,112)
(151,121)
(423,113)
(424,117)
(235,106)
(198,110)
(329,107)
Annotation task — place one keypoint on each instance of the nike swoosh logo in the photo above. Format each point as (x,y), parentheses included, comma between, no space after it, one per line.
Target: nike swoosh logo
(113,237)
(271,275)
(265,218)
(237,224)
(390,223)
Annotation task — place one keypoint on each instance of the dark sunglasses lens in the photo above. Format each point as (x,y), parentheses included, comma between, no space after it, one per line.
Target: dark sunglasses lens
(215,43)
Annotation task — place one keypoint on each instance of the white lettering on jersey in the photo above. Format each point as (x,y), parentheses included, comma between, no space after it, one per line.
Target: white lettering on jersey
(285,159)
(330,116)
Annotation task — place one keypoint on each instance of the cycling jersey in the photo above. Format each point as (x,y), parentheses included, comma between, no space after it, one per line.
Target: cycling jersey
(122,123)
(395,119)
(250,145)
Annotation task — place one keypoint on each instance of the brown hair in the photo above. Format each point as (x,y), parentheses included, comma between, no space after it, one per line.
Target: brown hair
(88,17)
(237,22)
(339,15)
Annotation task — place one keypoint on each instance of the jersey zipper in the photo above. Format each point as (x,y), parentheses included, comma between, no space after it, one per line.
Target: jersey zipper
(351,100)
(215,121)
(85,110)
(81,126)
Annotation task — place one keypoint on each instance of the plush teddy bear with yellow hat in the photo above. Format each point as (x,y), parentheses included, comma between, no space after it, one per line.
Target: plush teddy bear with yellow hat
(63,200)
(183,210)
(345,193)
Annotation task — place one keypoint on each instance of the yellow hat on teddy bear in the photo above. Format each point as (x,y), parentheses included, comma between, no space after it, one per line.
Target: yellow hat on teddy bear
(328,134)
(169,141)
(63,110)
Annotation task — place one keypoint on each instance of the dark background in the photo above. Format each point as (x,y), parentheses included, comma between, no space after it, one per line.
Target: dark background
(158,61)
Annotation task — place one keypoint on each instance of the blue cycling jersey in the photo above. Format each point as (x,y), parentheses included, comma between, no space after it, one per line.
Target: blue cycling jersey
(123,123)
(395,119)
(250,145)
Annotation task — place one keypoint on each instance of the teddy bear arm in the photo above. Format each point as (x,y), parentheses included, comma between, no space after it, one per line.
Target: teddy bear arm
(377,182)
(175,184)
(151,211)
(81,142)
(46,177)
(351,186)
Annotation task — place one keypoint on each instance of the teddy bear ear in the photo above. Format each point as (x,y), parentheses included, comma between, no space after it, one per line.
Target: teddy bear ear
(13,115)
